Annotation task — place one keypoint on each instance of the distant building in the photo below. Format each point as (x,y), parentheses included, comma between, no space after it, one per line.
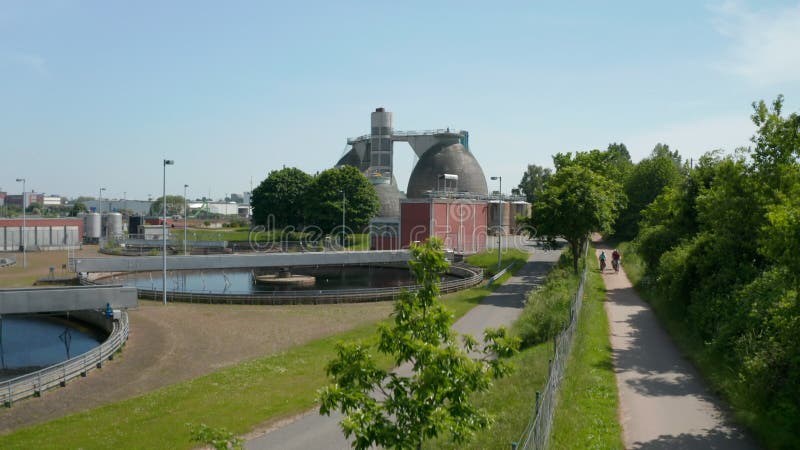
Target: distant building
(16,199)
(40,233)
(138,207)
(52,200)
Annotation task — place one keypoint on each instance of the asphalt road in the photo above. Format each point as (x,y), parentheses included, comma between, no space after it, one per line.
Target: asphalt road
(502,307)
(664,403)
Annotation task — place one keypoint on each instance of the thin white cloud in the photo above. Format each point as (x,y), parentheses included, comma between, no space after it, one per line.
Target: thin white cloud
(30,61)
(763,44)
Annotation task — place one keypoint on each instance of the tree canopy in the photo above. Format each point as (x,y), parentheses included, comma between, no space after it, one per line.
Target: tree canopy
(281,195)
(392,410)
(576,202)
(324,200)
(174,206)
(533,181)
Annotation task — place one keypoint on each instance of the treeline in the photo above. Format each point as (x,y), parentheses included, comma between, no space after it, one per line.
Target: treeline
(720,239)
(290,197)
(722,248)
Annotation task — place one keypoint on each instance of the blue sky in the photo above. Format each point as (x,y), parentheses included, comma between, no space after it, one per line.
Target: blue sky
(95,94)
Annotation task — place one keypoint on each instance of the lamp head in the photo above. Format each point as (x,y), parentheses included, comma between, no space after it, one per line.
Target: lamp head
(169,162)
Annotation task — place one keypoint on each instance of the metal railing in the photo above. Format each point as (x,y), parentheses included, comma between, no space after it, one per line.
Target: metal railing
(537,433)
(471,276)
(34,383)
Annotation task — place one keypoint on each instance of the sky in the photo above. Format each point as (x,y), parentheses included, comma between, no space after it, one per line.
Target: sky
(95,94)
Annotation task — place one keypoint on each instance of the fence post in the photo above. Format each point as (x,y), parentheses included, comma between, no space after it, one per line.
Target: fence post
(538,397)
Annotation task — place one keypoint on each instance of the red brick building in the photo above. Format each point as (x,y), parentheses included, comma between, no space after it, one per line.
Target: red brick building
(41,233)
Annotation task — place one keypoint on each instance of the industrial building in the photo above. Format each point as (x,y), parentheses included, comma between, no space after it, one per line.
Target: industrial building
(40,234)
(447,195)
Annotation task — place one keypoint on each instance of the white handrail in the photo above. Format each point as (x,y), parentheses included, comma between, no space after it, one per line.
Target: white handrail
(34,383)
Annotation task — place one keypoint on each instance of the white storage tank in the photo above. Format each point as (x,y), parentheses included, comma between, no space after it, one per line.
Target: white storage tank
(92,227)
(113,224)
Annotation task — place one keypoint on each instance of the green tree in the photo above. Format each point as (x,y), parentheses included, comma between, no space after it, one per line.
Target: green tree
(282,194)
(576,202)
(613,163)
(324,199)
(77,208)
(646,181)
(533,181)
(174,206)
(396,411)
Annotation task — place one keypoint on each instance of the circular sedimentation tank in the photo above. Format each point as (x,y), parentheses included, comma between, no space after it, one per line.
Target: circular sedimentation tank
(450,159)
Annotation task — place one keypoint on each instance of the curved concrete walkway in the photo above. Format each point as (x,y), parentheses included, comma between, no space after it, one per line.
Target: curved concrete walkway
(663,401)
(314,432)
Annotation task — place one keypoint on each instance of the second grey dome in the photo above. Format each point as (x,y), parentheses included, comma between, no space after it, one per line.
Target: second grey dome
(451,159)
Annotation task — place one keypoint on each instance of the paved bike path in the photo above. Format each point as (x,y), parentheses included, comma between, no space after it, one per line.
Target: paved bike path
(315,432)
(664,404)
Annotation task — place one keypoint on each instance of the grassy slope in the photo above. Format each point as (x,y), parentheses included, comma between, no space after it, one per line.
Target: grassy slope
(586,415)
(488,260)
(237,398)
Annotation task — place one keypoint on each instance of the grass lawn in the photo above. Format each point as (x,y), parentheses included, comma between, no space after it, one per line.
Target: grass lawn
(586,416)
(237,398)
(488,259)
(586,413)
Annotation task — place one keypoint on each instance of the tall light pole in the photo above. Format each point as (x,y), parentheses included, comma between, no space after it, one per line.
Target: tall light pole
(184,218)
(167,162)
(500,230)
(344,200)
(24,225)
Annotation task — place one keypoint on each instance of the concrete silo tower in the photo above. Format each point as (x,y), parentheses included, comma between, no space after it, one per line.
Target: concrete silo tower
(381,144)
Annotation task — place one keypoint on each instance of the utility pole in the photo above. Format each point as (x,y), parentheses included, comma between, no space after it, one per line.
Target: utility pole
(167,162)
(500,229)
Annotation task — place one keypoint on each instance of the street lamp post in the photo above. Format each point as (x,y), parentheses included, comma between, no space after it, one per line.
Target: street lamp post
(184,218)
(24,225)
(344,200)
(167,162)
(500,230)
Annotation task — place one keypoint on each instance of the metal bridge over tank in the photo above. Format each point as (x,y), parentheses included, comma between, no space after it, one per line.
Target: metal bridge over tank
(196,262)
(78,298)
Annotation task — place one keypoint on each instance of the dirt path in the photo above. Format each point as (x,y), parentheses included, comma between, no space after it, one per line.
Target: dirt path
(663,402)
(178,342)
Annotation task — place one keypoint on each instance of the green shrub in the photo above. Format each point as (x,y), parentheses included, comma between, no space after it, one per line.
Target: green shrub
(547,308)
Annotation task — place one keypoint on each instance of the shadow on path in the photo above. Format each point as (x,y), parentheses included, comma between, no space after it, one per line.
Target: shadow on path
(663,401)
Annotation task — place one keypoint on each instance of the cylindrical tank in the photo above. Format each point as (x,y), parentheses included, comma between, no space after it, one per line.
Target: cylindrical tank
(92,226)
(113,224)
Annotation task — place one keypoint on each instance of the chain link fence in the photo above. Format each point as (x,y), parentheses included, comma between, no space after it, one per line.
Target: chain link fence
(537,433)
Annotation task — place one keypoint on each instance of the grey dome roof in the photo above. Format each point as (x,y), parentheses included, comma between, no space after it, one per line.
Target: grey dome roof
(389,196)
(350,159)
(452,159)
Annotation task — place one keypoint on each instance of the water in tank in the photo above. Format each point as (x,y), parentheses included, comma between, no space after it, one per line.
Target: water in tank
(113,224)
(92,226)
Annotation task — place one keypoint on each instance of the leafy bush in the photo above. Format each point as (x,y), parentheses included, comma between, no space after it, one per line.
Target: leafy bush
(547,308)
